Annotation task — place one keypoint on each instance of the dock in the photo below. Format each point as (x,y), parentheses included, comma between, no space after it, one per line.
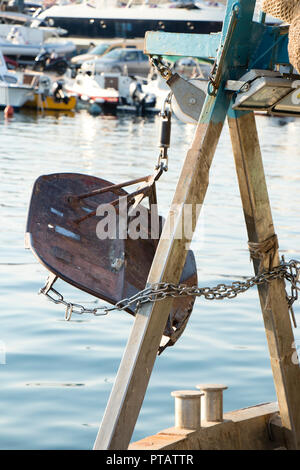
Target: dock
(255,428)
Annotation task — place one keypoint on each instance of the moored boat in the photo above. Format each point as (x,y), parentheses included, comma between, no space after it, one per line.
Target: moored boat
(57,99)
(23,42)
(97,89)
(109,90)
(15,89)
(100,21)
(26,53)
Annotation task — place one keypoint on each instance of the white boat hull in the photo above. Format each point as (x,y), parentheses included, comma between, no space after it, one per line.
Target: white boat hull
(32,50)
(91,89)
(16,87)
(15,96)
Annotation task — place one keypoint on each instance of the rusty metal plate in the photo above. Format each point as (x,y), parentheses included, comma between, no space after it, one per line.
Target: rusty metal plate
(110,269)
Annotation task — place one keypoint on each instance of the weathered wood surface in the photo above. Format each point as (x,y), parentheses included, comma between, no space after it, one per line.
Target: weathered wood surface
(245,429)
(128,392)
(276,316)
(138,360)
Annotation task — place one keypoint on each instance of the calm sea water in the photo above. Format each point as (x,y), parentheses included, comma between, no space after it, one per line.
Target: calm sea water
(56,376)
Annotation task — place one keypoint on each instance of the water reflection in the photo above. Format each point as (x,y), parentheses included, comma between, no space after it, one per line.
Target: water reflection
(53,384)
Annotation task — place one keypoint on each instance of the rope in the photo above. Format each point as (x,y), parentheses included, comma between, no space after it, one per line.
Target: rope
(264,251)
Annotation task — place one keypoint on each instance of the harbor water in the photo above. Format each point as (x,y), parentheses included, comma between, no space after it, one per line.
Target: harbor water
(56,376)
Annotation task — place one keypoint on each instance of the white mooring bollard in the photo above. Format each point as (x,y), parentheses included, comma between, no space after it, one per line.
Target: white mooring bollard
(187,409)
(213,401)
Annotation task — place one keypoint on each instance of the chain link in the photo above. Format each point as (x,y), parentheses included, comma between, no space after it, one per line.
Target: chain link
(161,67)
(290,271)
(71,307)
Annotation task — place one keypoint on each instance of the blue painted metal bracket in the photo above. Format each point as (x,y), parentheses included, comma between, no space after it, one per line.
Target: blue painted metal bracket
(202,46)
(242,45)
(269,47)
(231,59)
(262,46)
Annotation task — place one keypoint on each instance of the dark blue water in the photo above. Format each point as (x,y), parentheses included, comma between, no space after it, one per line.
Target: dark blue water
(56,376)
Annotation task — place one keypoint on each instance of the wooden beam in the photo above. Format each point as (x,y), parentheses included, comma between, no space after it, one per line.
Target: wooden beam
(245,429)
(272,295)
(137,363)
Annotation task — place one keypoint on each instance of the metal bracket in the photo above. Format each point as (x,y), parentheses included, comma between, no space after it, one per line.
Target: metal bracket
(51,279)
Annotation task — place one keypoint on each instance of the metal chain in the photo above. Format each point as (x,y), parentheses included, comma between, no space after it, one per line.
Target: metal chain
(161,67)
(290,271)
(70,306)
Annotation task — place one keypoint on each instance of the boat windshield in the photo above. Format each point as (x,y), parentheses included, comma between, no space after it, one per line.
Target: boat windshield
(10,79)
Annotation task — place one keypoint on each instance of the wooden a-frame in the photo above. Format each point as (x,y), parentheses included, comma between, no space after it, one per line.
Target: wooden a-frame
(241,42)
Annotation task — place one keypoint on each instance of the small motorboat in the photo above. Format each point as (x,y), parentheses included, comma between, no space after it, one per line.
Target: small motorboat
(31,29)
(15,88)
(51,96)
(32,89)
(25,53)
(23,42)
(50,103)
(91,88)
(109,90)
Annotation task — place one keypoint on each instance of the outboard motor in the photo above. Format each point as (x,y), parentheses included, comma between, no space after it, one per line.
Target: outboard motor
(141,99)
(58,93)
(44,86)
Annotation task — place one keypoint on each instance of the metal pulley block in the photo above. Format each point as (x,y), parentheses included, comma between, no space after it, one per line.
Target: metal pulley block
(188,97)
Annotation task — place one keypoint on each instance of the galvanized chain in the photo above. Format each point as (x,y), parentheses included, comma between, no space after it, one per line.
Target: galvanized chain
(290,271)
(71,307)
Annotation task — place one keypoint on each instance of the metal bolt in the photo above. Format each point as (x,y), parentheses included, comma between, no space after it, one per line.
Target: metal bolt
(236,7)
(187,409)
(192,101)
(213,401)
